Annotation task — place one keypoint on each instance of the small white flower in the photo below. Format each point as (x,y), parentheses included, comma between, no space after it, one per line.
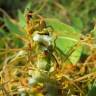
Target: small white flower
(36,37)
(42,38)
(47,39)
(23,94)
(41,63)
(31,81)
(21,53)
(30,72)
(21,89)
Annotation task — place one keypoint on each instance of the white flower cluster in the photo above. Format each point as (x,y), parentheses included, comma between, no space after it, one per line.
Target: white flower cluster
(46,39)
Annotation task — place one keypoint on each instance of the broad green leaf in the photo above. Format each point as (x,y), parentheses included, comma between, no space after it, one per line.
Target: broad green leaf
(64,44)
(13,27)
(67,46)
(76,55)
(63,29)
(67,39)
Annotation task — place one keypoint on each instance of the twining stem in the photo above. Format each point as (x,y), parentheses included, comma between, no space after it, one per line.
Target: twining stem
(73,83)
(41,8)
(86,76)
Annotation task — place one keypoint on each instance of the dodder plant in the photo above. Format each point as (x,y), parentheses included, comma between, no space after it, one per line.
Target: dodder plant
(29,71)
(45,64)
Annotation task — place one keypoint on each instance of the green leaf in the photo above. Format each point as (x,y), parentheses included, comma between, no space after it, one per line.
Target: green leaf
(92,91)
(18,43)
(66,46)
(2,32)
(21,17)
(63,29)
(76,55)
(28,6)
(2,44)
(77,23)
(93,32)
(13,27)
(67,39)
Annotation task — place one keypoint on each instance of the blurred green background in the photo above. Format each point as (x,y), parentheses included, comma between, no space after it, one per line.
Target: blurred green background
(80,14)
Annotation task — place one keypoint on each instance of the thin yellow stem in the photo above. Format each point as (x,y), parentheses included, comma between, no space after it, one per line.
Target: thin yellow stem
(85,77)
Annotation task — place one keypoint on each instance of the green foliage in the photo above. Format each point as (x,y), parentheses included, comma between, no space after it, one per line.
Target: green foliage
(13,27)
(77,23)
(21,19)
(92,91)
(83,10)
(93,32)
(67,38)
(2,33)
(63,29)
